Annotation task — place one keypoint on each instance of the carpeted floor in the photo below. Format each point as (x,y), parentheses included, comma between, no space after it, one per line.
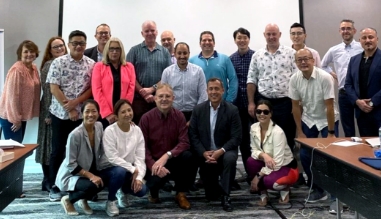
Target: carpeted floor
(37,205)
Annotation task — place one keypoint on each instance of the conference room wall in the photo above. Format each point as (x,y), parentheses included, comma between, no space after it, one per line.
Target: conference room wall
(322,19)
(26,19)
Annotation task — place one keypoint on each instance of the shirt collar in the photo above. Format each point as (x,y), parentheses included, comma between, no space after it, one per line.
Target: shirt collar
(143,45)
(178,68)
(210,104)
(73,60)
(278,51)
(215,55)
(161,115)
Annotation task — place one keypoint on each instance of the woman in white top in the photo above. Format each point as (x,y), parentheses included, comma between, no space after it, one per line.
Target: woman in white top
(124,147)
(271,165)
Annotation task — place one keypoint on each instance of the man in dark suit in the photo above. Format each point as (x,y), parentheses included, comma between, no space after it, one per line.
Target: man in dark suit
(102,34)
(363,84)
(215,132)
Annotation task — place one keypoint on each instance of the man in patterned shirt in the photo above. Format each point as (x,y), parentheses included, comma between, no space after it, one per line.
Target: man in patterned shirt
(70,79)
(149,59)
(269,75)
(241,62)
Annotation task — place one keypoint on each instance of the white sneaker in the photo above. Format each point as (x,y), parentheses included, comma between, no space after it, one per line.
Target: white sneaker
(111,208)
(122,199)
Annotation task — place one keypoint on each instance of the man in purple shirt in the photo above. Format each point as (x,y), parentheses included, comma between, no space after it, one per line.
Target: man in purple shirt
(167,147)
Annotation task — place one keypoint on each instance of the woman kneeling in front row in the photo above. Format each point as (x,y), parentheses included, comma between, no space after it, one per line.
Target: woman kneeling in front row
(271,165)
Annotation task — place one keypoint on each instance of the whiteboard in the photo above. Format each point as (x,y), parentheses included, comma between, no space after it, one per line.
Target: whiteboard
(185,18)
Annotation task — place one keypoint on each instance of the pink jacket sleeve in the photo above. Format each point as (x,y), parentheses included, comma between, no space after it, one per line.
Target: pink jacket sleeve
(98,79)
(13,89)
(128,82)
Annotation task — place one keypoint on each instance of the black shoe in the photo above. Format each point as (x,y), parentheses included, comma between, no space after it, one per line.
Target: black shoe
(226,204)
(235,186)
(193,190)
(168,187)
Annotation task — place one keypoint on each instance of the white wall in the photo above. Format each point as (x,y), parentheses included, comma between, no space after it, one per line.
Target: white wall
(185,18)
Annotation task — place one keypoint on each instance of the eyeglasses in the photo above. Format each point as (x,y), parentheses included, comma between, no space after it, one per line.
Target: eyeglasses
(346,29)
(103,33)
(114,49)
(305,59)
(75,44)
(58,46)
(259,111)
(296,33)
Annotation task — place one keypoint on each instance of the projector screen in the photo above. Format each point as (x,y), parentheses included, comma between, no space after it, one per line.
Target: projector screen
(185,18)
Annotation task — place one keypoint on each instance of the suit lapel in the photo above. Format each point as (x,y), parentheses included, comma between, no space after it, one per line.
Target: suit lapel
(376,60)
(221,112)
(356,74)
(207,113)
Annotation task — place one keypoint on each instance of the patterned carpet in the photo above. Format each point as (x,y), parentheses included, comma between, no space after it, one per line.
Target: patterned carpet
(37,205)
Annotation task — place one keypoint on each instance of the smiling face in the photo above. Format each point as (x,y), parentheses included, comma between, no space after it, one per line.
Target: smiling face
(304,61)
(261,112)
(57,48)
(125,114)
(347,31)
(77,46)
(272,35)
(368,40)
(149,32)
(114,52)
(242,41)
(167,40)
(215,91)
(90,114)
(27,56)
(102,34)
(182,55)
(297,36)
(207,43)
(164,99)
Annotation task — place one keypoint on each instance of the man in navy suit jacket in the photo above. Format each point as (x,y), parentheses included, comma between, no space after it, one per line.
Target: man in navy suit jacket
(363,84)
(102,34)
(215,132)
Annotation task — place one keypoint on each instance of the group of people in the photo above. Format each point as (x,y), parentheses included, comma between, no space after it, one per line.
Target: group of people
(132,122)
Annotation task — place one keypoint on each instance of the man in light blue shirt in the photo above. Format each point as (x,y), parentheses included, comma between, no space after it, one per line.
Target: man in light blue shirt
(216,65)
(340,55)
(187,80)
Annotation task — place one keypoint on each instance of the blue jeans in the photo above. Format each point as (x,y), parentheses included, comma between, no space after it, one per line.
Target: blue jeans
(9,134)
(347,115)
(305,153)
(117,177)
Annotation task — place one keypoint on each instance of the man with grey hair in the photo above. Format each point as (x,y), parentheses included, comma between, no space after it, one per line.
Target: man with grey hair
(339,56)
(149,59)
(168,41)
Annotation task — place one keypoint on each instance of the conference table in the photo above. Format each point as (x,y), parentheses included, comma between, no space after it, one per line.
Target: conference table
(338,170)
(11,174)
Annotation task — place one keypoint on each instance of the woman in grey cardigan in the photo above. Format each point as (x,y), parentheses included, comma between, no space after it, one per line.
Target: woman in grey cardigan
(85,170)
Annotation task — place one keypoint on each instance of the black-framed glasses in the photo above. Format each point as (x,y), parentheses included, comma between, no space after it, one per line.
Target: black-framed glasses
(114,49)
(305,59)
(75,43)
(103,33)
(259,111)
(346,29)
(58,46)
(296,33)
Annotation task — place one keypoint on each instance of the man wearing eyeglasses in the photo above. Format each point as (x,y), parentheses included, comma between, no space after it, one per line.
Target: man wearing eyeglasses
(102,34)
(298,36)
(69,77)
(315,89)
(340,55)
(268,78)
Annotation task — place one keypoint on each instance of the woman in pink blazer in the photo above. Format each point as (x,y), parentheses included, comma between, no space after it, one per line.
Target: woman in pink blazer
(113,79)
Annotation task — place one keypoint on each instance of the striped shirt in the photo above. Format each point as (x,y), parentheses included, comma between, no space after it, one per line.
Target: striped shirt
(149,65)
(241,65)
(189,86)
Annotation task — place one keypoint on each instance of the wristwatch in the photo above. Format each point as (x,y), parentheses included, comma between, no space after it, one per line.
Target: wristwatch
(331,132)
(169,154)
(370,103)
(154,86)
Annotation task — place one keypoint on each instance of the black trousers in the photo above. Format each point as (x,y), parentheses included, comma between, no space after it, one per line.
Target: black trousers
(246,122)
(84,189)
(60,132)
(179,168)
(218,177)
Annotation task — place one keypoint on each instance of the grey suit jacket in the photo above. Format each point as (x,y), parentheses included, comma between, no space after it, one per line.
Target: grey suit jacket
(228,130)
(79,155)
